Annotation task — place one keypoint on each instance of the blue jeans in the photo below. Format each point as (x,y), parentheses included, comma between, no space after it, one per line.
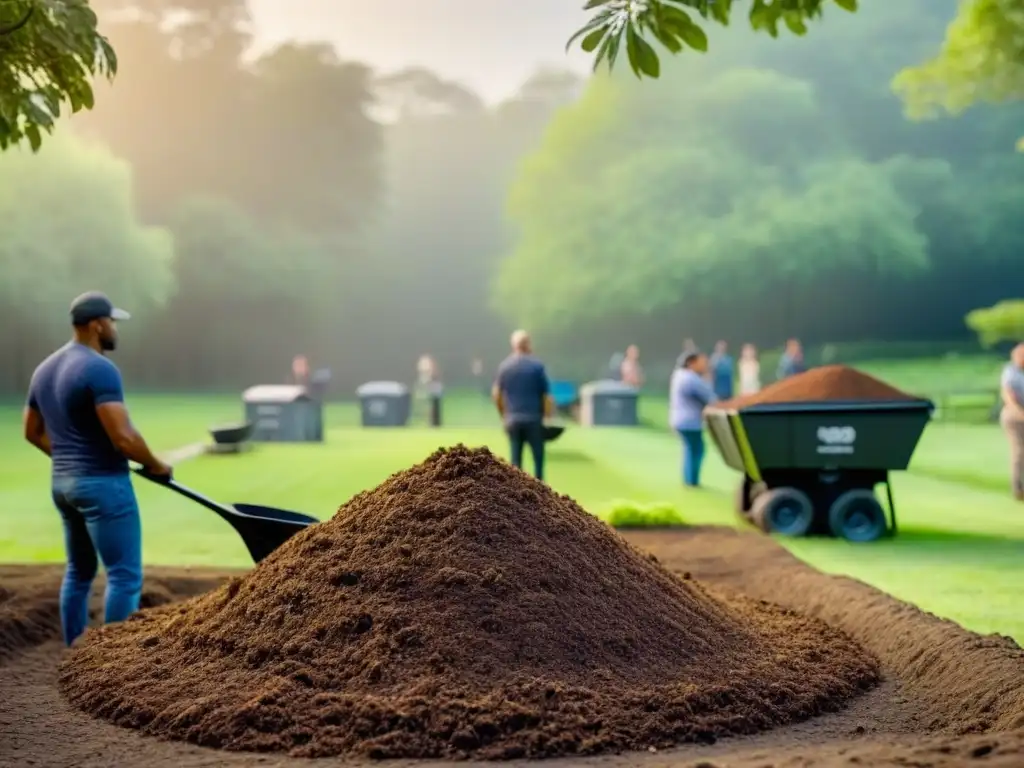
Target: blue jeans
(101,515)
(693,455)
(528,433)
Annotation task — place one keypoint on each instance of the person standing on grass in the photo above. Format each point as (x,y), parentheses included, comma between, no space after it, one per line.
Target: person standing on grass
(689,395)
(722,371)
(631,372)
(792,361)
(522,395)
(750,370)
(76,415)
(1012,417)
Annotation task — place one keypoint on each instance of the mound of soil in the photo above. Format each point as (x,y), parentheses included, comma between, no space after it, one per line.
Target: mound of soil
(825,384)
(461,609)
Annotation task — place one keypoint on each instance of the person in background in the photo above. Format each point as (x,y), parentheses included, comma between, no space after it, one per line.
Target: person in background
(792,361)
(750,370)
(689,347)
(300,370)
(76,415)
(689,394)
(1012,417)
(723,372)
(522,395)
(630,370)
(427,382)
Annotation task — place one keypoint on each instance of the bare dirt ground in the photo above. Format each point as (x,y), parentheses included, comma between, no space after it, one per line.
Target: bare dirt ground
(949,697)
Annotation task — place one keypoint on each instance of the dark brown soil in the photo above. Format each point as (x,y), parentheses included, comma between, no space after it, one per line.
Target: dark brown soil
(825,384)
(948,697)
(462,609)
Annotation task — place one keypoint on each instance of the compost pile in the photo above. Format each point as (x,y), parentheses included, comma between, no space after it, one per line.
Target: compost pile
(461,609)
(825,384)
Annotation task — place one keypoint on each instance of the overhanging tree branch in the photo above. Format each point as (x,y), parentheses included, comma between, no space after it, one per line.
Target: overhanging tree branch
(18,24)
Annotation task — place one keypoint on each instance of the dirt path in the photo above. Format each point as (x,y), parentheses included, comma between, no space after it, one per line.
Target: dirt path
(949,697)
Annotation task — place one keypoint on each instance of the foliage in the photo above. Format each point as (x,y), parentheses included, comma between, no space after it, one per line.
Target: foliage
(999,323)
(49,51)
(287,137)
(629,24)
(68,224)
(694,199)
(981,61)
(631,514)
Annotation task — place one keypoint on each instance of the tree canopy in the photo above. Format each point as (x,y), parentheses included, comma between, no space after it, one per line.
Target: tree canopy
(981,61)
(49,52)
(700,201)
(68,223)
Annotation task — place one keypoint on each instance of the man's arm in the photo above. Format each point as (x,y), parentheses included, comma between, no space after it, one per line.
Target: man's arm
(108,397)
(35,428)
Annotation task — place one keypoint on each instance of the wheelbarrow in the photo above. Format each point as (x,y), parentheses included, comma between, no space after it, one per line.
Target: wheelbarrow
(263,529)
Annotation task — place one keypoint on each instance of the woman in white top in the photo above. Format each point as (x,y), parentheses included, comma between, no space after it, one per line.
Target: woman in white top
(750,370)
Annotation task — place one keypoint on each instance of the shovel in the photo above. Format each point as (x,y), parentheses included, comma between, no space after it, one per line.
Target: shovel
(263,529)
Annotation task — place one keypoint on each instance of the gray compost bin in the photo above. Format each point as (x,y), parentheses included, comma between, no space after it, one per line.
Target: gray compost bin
(608,403)
(384,403)
(283,413)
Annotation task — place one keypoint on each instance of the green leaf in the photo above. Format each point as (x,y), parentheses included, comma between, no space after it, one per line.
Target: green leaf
(632,49)
(591,41)
(795,23)
(35,137)
(591,4)
(847,5)
(599,22)
(668,39)
(642,56)
(694,37)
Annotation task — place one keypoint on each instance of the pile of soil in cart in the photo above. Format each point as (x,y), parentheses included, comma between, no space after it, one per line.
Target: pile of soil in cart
(828,383)
(462,609)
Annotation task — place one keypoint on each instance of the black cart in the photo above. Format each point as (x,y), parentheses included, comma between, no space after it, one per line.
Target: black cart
(811,468)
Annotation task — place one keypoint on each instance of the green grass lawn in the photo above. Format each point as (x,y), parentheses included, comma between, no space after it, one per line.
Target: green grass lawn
(960,552)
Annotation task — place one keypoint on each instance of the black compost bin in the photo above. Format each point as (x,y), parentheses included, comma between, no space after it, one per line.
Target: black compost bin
(812,467)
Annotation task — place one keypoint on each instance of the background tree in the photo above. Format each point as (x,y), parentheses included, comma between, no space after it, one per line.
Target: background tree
(49,51)
(981,61)
(68,224)
(703,203)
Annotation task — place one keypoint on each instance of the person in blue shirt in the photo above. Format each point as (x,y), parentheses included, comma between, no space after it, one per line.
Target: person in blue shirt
(722,371)
(522,395)
(792,361)
(1011,417)
(75,414)
(689,395)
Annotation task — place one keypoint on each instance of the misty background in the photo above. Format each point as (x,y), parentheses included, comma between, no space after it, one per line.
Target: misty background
(364,183)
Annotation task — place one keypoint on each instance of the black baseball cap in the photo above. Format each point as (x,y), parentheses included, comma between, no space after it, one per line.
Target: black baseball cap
(94,305)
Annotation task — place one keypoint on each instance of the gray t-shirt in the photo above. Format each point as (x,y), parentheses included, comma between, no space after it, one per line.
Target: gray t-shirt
(523,383)
(1013,379)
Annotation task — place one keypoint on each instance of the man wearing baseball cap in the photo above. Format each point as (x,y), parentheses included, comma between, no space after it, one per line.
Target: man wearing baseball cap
(76,415)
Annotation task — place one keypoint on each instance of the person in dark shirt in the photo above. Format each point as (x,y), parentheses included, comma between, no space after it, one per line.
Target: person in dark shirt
(722,371)
(76,415)
(522,395)
(792,361)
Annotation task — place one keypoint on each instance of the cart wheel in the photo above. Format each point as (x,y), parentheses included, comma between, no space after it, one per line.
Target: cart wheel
(744,497)
(857,516)
(785,511)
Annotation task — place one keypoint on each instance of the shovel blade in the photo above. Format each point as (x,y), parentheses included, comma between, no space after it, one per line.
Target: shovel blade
(264,529)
